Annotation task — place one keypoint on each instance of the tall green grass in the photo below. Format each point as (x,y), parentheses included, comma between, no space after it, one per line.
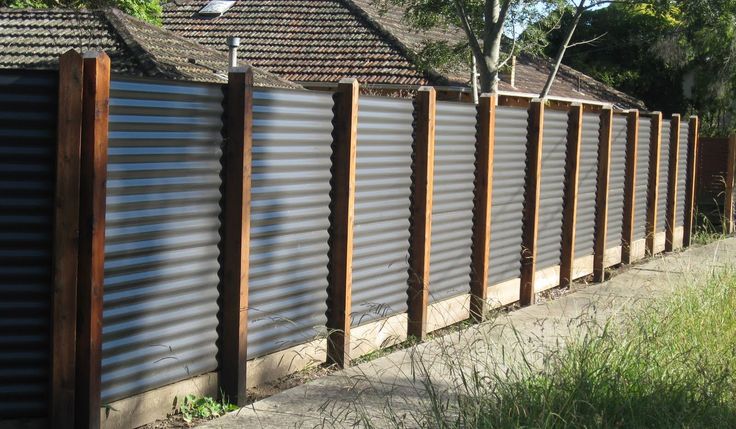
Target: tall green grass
(670,364)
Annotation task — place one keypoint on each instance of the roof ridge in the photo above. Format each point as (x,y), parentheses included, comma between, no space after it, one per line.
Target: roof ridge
(146,59)
(433,75)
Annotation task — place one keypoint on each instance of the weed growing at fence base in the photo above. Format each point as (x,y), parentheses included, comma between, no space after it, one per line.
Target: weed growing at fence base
(669,364)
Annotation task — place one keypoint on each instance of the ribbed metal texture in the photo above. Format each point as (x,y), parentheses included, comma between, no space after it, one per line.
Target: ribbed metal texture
(27,163)
(587,184)
(642,178)
(664,169)
(452,206)
(292,133)
(507,203)
(554,149)
(616,182)
(160,301)
(682,173)
(382,190)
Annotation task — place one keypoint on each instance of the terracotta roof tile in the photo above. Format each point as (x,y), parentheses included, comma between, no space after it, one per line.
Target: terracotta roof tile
(36,38)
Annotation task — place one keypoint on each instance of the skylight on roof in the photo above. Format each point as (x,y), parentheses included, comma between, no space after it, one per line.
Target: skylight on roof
(216,7)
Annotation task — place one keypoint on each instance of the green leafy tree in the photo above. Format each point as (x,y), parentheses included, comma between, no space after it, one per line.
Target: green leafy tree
(492,27)
(147,10)
(677,56)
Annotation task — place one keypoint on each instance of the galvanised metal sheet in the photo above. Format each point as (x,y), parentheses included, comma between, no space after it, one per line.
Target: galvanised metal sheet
(292,136)
(616,182)
(382,191)
(507,203)
(642,178)
(554,149)
(664,169)
(28,104)
(161,245)
(682,173)
(452,206)
(587,184)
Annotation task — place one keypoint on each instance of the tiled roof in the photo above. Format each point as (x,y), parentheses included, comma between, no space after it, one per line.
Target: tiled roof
(36,38)
(326,40)
(531,75)
(300,40)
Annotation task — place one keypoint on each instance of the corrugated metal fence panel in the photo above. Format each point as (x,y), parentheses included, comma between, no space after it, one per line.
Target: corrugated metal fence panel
(616,182)
(664,163)
(509,162)
(163,193)
(554,149)
(682,173)
(28,103)
(382,190)
(587,184)
(452,207)
(642,178)
(292,136)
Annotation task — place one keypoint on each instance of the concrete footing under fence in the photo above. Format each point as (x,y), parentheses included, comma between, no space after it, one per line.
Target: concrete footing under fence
(155,404)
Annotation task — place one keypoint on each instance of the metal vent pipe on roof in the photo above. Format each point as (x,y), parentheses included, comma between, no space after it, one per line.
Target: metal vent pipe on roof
(232,45)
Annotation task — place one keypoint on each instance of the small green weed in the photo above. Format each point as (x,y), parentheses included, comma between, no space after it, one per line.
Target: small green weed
(204,407)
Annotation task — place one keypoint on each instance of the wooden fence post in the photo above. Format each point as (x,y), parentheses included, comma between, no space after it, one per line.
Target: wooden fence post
(632,147)
(728,208)
(481,239)
(236,237)
(66,241)
(674,147)
(530,217)
(93,178)
(653,185)
(601,213)
(692,174)
(572,173)
(421,211)
(343,211)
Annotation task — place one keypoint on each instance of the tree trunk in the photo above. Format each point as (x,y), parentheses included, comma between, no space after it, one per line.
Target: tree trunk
(561,51)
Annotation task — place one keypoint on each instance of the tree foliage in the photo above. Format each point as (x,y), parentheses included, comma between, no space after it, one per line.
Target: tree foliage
(147,10)
(677,56)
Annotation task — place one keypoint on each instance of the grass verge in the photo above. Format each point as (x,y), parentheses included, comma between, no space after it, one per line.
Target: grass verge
(670,364)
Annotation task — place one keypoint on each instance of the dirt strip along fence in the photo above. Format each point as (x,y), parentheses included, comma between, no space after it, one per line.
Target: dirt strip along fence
(166,237)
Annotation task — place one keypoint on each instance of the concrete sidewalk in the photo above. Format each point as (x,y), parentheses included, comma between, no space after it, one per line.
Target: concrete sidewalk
(395,382)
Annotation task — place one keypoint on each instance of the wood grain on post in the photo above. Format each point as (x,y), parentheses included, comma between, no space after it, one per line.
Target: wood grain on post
(728,209)
(421,211)
(236,237)
(93,178)
(691,186)
(482,211)
(572,175)
(601,204)
(343,213)
(653,185)
(530,217)
(632,147)
(66,241)
(674,159)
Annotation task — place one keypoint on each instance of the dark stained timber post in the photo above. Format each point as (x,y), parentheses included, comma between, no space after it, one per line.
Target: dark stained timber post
(728,209)
(66,241)
(481,239)
(236,238)
(93,182)
(601,204)
(653,185)
(572,174)
(530,217)
(421,211)
(674,148)
(691,186)
(342,221)
(632,146)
